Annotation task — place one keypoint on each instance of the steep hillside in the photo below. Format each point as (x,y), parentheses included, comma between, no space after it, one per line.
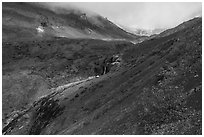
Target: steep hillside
(28,21)
(184,25)
(30,68)
(154,87)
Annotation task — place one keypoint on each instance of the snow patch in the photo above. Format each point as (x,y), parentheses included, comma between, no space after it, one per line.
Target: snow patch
(40,29)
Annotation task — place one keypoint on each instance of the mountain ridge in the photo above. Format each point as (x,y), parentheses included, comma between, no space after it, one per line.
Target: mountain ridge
(23,20)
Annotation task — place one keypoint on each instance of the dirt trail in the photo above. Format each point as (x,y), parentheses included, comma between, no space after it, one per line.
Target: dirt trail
(56,94)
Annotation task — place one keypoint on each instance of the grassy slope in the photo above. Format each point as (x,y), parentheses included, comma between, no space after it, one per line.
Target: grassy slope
(159,94)
(30,68)
(156,91)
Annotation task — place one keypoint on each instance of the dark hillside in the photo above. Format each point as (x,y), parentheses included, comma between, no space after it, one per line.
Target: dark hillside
(29,21)
(154,87)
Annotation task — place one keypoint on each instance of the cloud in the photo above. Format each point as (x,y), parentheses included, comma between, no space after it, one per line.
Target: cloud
(141,15)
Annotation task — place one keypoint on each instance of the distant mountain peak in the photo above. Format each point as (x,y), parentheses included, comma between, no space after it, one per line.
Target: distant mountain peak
(143,31)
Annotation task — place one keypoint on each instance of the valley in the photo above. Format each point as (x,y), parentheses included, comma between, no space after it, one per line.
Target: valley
(107,85)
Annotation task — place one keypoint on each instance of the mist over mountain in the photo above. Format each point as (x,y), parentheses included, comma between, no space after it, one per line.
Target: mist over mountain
(145,15)
(143,32)
(70,71)
(35,21)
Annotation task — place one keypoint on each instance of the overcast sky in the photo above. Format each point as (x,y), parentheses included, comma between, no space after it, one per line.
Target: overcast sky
(143,15)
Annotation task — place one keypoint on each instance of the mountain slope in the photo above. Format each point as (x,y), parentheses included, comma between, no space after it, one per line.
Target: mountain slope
(156,89)
(26,21)
(54,62)
(190,23)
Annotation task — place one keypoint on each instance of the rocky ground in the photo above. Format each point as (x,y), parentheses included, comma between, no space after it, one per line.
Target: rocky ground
(97,87)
